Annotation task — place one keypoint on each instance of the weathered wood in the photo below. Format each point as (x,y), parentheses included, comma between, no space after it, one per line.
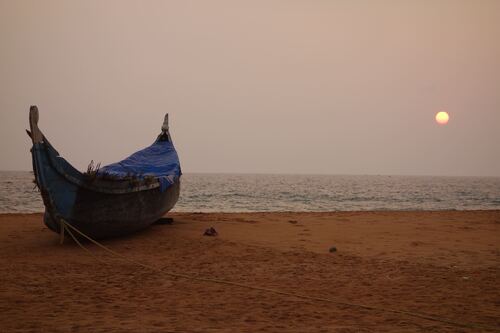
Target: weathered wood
(36,135)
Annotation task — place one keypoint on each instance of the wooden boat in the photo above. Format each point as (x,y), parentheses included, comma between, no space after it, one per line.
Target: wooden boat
(105,202)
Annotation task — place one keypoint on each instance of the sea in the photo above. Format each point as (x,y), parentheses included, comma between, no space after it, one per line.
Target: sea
(306,193)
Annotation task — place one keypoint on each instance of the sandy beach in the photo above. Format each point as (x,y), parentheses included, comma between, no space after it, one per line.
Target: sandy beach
(442,264)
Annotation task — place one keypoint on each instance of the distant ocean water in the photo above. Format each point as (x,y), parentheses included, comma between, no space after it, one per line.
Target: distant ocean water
(249,193)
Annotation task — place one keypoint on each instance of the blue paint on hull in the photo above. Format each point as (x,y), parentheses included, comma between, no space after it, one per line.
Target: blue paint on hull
(99,208)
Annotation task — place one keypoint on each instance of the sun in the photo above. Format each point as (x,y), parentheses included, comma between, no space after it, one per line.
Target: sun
(442,118)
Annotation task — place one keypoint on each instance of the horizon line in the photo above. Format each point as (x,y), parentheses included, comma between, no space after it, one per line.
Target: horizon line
(313,174)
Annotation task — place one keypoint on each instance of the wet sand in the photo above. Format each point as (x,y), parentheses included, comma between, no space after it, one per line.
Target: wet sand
(444,264)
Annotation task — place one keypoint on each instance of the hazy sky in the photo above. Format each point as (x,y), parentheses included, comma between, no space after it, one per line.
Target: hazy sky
(336,87)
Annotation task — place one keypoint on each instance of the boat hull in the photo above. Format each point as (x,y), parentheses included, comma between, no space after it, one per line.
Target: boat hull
(103,215)
(100,208)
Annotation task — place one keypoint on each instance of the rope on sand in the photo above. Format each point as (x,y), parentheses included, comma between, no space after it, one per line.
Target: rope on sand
(66,226)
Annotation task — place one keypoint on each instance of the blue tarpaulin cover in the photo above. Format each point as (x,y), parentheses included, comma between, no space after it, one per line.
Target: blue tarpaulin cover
(159,160)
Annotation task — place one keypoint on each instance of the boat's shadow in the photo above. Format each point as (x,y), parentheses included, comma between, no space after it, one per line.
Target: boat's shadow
(147,234)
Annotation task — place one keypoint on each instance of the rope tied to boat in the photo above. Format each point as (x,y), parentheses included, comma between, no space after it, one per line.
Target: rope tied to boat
(68,227)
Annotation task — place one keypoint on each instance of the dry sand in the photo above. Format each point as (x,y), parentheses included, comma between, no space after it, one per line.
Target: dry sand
(445,264)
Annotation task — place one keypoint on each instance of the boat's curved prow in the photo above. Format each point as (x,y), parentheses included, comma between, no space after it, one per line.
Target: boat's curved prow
(35,133)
